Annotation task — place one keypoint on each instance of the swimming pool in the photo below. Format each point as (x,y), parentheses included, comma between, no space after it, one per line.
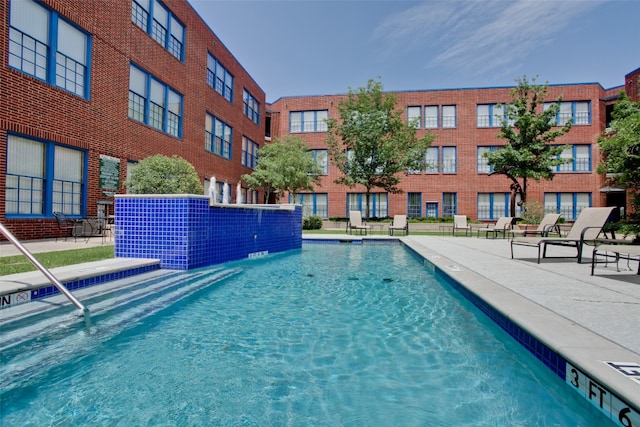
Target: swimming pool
(332,335)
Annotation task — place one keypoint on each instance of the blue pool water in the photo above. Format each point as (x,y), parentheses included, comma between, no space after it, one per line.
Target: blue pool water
(332,335)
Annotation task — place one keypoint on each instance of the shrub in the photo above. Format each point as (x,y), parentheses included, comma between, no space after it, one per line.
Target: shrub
(312,223)
(532,212)
(160,174)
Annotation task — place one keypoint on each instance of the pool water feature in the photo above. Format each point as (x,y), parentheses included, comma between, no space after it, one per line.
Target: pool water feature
(331,335)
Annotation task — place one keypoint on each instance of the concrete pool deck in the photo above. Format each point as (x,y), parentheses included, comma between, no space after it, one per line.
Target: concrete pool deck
(588,319)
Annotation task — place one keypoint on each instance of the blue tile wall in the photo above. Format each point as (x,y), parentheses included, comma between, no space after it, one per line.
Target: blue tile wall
(186,233)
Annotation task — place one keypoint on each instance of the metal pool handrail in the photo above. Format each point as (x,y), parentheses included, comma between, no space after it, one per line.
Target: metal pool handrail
(47,273)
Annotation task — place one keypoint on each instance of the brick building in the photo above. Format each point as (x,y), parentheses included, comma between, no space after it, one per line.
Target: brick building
(465,123)
(89,88)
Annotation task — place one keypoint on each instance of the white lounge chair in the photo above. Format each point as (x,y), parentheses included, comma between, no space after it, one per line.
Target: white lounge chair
(504,224)
(460,223)
(399,223)
(355,223)
(586,229)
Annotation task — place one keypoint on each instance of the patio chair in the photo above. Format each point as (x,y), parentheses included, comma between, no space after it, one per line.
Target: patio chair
(399,223)
(66,225)
(585,230)
(621,251)
(355,223)
(549,223)
(460,223)
(504,224)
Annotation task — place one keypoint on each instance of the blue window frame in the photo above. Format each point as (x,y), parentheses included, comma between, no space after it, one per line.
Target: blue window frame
(490,115)
(568,205)
(43,178)
(431,117)
(378,204)
(449,160)
(219,78)
(218,137)
(158,21)
(414,205)
(44,45)
(251,107)
(314,204)
(482,163)
(154,103)
(249,153)
(449,204)
(578,112)
(431,209)
(580,156)
(493,205)
(308,121)
(321,158)
(415,114)
(449,119)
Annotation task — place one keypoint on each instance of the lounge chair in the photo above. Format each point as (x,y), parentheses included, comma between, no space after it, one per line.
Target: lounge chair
(460,223)
(399,223)
(504,224)
(623,251)
(355,223)
(586,229)
(549,223)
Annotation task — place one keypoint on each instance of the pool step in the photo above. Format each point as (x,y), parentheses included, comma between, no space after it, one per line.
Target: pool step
(29,347)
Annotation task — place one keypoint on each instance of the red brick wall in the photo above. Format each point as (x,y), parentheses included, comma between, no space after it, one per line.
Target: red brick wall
(101,125)
(467,183)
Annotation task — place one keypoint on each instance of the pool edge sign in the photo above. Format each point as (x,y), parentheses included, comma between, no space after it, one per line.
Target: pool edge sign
(109,175)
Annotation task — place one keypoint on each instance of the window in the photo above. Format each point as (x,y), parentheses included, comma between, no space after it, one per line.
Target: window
(219,78)
(568,205)
(251,107)
(308,121)
(163,27)
(154,103)
(218,136)
(490,115)
(321,158)
(449,161)
(431,117)
(314,204)
(431,209)
(43,178)
(449,202)
(45,46)
(448,116)
(413,114)
(377,204)
(580,156)
(492,205)
(579,112)
(414,205)
(483,165)
(249,152)
(432,160)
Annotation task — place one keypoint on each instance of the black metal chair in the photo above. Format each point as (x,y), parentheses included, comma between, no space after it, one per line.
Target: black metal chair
(67,225)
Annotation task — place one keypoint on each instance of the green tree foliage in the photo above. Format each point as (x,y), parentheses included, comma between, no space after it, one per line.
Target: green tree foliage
(160,174)
(621,149)
(284,165)
(529,132)
(371,145)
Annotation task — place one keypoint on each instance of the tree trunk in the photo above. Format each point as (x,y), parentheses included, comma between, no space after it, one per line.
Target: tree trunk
(367,198)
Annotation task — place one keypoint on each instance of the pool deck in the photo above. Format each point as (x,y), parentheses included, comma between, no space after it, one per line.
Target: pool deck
(588,319)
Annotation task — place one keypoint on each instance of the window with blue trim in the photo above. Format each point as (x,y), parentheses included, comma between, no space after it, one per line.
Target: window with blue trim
(163,26)
(251,107)
(568,205)
(414,205)
(218,137)
(431,117)
(315,204)
(44,45)
(449,160)
(492,205)
(219,78)
(578,112)
(415,114)
(308,121)
(378,204)
(432,160)
(43,178)
(154,103)
(449,119)
(490,115)
(321,158)
(580,159)
(449,204)
(482,162)
(431,209)
(249,153)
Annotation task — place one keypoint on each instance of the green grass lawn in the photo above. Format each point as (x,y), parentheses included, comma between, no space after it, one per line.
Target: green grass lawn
(20,263)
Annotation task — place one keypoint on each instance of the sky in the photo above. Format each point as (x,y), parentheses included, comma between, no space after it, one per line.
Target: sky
(327,47)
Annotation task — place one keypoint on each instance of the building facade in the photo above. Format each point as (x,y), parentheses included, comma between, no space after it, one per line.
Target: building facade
(87,89)
(456,178)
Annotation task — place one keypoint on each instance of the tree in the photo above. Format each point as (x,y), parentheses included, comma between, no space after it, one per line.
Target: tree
(284,165)
(620,146)
(160,174)
(528,152)
(371,144)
